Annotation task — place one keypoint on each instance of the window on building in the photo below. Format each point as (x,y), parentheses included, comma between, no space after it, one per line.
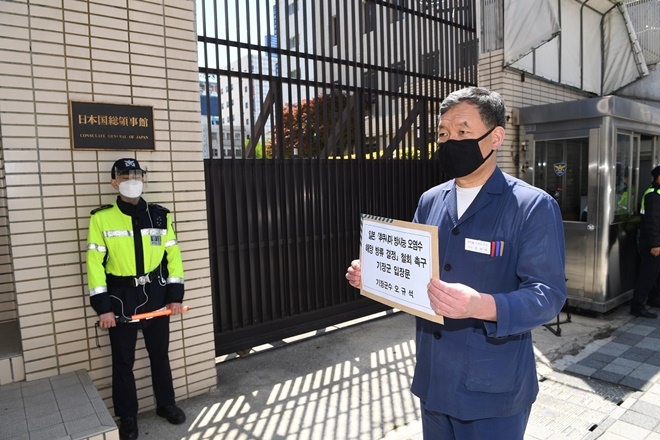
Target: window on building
(370,79)
(431,63)
(371,146)
(293,42)
(396,12)
(467,54)
(397,78)
(625,176)
(292,7)
(293,73)
(370,83)
(334,31)
(368,16)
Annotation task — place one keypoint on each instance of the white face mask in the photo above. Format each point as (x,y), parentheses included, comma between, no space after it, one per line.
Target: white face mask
(131,189)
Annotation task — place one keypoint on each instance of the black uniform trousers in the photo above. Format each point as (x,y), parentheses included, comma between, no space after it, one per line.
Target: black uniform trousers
(123,337)
(649,269)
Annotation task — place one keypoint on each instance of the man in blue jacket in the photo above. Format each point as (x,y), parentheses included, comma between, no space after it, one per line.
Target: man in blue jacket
(501,275)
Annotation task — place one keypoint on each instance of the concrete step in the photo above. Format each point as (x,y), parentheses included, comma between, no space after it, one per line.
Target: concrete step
(63,407)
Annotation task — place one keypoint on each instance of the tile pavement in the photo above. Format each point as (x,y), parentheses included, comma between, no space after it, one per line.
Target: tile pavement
(631,358)
(609,390)
(628,361)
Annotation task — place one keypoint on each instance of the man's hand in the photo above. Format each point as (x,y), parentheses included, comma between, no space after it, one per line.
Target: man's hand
(107,320)
(175,308)
(354,274)
(458,301)
(655,251)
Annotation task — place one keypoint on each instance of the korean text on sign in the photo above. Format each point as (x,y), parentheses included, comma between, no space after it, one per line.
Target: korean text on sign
(396,263)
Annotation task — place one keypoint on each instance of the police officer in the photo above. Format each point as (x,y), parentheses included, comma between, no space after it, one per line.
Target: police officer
(134,266)
(649,248)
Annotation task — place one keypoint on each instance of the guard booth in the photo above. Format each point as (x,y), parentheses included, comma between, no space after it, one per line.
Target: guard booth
(595,157)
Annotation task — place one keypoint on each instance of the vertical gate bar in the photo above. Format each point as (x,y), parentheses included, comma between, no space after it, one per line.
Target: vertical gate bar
(283,207)
(238,191)
(287,181)
(410,85)
(210,178)
(306,166)
(315,163)
(299,181)
(232,312)
(391,113)
(257,260)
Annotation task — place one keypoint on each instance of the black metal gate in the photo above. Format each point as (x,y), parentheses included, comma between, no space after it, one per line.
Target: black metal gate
(315,112)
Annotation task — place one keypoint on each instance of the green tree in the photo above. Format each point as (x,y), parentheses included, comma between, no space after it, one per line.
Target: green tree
(258,149)
(323,125)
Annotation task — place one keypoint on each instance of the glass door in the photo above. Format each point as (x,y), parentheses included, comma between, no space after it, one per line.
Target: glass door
(561,169)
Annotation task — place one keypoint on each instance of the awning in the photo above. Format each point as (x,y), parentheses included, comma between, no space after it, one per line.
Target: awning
(588,44)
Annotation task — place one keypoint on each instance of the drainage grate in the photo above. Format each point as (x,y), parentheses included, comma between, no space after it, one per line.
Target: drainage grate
(571,407)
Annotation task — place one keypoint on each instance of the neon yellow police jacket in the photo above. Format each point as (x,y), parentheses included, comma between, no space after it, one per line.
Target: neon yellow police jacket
(133,260)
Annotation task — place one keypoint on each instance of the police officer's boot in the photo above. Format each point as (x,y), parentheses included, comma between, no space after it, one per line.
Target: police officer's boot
(128,428)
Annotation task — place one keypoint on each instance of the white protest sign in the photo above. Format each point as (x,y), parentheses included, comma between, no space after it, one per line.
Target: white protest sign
(398,260)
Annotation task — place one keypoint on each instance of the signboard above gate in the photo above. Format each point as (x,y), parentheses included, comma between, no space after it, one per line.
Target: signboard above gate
(102,126)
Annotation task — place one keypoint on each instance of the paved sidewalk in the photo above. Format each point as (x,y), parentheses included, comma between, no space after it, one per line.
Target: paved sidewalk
(599,379)
(609,390)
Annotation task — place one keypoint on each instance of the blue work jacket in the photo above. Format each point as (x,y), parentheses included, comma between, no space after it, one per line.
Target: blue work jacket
(473,369)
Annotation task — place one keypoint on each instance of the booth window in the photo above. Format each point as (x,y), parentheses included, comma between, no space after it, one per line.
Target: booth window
(625,176)
(561,169)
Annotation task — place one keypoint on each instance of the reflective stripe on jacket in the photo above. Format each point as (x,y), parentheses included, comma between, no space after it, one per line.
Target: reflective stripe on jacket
(113,248)
(649,224)
(650,189)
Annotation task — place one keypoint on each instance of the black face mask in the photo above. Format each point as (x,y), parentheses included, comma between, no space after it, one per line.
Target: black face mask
(460,158)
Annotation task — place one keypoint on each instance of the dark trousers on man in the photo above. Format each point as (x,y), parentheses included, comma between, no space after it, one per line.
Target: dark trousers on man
(443,427)
(123,337)
(649,269)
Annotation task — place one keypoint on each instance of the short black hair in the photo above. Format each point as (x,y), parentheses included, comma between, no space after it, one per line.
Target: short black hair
(489,104)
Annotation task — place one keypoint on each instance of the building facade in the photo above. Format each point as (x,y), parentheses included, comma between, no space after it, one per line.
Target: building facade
(51,53)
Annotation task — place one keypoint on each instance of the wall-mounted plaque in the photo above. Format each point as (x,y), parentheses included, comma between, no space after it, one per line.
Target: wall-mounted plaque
(101,126)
